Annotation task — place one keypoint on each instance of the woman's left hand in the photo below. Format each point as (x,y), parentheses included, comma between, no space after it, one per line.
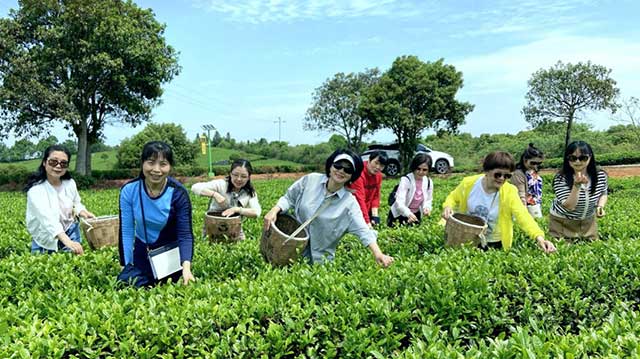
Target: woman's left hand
(600,211)
(427,212)
(546,246)
(86,214)
(187,276)
(230,211)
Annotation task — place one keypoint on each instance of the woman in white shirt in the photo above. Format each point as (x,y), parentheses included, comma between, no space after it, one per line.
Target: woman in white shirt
(53,203)
(414,195)
(232,195)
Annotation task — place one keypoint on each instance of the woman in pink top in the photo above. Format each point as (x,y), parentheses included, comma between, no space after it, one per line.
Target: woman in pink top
(414,196)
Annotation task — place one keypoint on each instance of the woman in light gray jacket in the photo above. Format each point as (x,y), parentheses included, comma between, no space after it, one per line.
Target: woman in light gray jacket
(414,195)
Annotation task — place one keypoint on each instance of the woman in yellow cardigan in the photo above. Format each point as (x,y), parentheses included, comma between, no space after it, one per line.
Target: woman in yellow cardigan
(490,196)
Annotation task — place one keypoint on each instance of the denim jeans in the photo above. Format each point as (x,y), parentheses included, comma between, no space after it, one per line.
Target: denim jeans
(74,234)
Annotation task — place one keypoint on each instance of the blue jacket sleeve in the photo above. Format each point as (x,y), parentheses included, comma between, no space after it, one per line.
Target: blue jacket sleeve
(184,230)
(127,225)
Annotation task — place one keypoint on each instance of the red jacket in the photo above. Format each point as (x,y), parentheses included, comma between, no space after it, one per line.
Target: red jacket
(367,191)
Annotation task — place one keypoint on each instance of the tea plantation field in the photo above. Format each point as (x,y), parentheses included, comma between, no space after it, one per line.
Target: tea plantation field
(432,302)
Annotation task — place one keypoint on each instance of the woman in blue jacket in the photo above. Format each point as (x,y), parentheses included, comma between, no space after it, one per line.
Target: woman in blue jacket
(155,211)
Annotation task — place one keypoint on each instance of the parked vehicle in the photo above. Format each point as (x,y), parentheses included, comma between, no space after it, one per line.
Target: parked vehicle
(442,162)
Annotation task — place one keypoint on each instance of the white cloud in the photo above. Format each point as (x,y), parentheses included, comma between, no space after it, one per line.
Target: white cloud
(263,11)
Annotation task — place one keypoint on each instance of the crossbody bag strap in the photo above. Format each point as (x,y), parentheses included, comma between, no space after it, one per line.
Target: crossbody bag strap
(144,220)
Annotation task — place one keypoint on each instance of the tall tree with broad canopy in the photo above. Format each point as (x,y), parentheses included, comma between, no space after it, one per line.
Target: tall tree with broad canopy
(562,92)
(335,106)
(413,96)
(85,63)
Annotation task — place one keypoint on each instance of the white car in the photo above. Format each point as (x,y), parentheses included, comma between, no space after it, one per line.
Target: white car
(441,162)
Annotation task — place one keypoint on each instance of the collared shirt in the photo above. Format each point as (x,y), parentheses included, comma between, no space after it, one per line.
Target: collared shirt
(366,189)
(341,216)
(44,214)
(242,198)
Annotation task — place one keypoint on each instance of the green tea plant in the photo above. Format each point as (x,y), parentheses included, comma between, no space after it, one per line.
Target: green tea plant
(432,302)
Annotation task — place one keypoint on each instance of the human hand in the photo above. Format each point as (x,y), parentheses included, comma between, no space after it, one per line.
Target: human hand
(230,211)
(76,248)
(579,179)
(447,212)
(187,276)
(426,212)
(375,220)
(220,199)
(384,260)
(271,217)
(600,211)
(86,214)
(412,218)
(546,246)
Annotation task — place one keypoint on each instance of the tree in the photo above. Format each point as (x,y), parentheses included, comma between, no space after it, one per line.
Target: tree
(335,106)
(46,142)
(184,151)
(562,92)
(413,96)
(630,109)
(85,63)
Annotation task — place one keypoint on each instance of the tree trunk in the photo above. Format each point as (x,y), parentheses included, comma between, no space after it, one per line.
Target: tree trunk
(567,136)
(82,160)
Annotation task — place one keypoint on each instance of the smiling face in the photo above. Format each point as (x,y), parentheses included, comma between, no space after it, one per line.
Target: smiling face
(374,166)
(578,161)
(56,165)
(156,169)
(339,172)
(239,177)
(496,178)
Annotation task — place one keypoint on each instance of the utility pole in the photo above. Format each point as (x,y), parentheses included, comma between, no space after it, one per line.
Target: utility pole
(209,128)
(279,122)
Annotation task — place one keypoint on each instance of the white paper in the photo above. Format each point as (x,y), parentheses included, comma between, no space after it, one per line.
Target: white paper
(166,263)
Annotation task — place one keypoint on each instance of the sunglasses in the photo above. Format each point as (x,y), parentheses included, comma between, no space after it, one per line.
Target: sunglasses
(498,175)
(346,168)
(573,158)
(535,163)
(63,164)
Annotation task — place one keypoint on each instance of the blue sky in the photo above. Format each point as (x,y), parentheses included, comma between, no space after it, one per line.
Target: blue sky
(246,63)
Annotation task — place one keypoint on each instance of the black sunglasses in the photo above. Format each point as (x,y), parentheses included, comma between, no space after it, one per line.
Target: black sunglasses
(63,164)
(573,158)
(535,163)
(498,175)
(346,168)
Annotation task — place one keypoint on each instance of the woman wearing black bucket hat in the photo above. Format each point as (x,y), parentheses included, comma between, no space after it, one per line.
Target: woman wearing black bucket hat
(335,209)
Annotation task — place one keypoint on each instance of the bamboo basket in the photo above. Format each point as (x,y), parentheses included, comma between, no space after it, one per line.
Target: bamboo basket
(274,245)
(464,229)
(101,231)
(221,229)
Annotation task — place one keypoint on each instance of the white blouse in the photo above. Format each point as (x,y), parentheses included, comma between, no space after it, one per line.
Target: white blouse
(44,215)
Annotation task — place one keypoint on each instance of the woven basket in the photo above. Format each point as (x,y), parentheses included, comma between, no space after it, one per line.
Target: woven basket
(274,245)
(101,231)
(221,229)
(464,229)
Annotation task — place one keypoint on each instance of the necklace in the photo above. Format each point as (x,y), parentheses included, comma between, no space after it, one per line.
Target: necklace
(155,193)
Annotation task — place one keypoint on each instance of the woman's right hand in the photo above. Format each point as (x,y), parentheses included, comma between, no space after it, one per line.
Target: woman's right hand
(271,217)
(447,212)
(76,248)
(412,218)
(580,179)
(220,199)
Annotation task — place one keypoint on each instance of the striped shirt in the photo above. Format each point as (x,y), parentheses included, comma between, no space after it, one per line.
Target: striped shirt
(587,201)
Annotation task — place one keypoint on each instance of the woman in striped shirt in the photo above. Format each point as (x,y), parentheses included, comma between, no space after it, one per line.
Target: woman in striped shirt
(581,194)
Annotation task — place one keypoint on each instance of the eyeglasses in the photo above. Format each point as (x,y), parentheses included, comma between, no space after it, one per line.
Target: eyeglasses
(535,163)
(346,168)
(422,169)
(63,164)
(498,175)
(573,158)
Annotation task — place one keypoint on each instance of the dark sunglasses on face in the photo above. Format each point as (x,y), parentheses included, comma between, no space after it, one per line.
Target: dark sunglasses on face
(498,175)
(535,163)
(573,158)
(346,168)
(63,164)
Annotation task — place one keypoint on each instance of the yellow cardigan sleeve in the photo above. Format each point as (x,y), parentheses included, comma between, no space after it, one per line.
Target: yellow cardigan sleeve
(522,216)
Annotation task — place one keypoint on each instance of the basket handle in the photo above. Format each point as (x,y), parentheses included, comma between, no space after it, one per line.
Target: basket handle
(324,205)
(83,220)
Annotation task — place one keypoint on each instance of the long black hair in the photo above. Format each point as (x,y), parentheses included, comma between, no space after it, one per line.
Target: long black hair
(154,149)
(248,187)
(419,159)
(40,175)
(357,162)
(592,171)
(531,152)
